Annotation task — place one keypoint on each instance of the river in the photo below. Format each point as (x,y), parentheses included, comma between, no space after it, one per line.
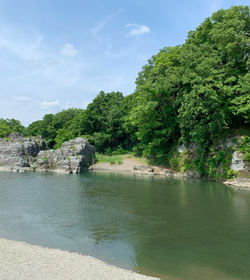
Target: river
(165,227)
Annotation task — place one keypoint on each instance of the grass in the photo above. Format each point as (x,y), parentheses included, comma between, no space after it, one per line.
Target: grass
(110,159)
(118,159)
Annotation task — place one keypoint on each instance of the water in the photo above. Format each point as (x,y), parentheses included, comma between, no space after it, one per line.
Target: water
(165,227)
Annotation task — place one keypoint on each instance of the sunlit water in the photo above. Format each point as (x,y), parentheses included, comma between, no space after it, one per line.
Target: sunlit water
(165,227)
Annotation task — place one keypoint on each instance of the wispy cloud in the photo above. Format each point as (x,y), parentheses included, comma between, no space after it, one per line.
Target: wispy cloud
(95,30)
(21,98)
(49,104)
(137,30)
(69,50)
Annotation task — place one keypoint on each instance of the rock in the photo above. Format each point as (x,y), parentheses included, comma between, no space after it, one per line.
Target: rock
(239,182)
(16,136)
(225,143)
(237,162)
(169,172)
(19,150)
(184,147)
(193,174)
(74,156)
(15,169)
(179,175)
(143,169)
(152,170)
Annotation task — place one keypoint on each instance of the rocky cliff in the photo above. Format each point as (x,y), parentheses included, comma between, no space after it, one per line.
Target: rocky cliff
(19,151)
(227,161)
(20,154)
(74,156)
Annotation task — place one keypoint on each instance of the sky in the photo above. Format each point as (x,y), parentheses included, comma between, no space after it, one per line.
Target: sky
(58,54)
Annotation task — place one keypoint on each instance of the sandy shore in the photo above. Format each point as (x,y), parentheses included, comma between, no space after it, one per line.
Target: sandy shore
(127,165)
(19,260)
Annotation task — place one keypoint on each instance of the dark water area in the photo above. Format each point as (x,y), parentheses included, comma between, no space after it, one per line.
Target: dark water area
(165,227)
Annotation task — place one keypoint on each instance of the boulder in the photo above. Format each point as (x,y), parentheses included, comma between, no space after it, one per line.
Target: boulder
(152,170)
(193,174)
(73,157)
(143,169)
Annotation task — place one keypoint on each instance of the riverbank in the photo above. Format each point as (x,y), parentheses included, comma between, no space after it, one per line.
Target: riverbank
(135,165)
(19,260)
(127,164)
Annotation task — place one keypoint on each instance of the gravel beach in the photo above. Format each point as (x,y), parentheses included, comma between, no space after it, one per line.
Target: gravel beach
(19,260)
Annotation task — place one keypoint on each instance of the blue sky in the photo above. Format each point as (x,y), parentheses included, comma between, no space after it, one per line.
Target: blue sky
(58,54)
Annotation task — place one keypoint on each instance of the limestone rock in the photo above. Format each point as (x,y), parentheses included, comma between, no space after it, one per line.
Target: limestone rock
(143,169)
(193,174)
(239,182)
(223,144)
(73,157)
(237,162)
(179,175)
(184,147)
(152,170)
(18,150)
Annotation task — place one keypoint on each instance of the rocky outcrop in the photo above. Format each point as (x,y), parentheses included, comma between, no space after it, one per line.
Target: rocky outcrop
(15,169)
(239,182)
(184,147)
(193,174)
(74,156)
(20,154)
(152,170)
(237,162)
(20,151)
(155,170)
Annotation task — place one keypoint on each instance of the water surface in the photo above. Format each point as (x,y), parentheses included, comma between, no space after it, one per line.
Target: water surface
(165,227)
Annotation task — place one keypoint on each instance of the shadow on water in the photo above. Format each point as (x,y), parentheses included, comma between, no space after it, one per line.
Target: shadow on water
(165,227)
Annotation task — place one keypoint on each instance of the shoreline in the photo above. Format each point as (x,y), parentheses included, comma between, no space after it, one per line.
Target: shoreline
(20,260)
(135,166)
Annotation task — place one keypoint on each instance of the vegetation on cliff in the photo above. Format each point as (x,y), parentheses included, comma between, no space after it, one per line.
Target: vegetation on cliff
(197,92)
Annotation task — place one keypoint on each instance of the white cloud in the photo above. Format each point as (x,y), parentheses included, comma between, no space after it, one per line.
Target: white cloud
(21,98)
(137,30)
(68,50)
(49,104)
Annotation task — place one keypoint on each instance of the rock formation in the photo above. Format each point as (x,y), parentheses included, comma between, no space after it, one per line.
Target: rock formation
(74,156)
(21,154)
(20,151)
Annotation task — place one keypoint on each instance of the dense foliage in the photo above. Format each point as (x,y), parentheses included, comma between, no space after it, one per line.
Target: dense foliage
(194,92)
(8,126)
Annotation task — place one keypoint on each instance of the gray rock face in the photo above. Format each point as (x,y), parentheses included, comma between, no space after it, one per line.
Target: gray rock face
(223,144)
(184,147)
(237,162)
(152,170)
(19,151)
(143,169)
(239,183)
(73,157)
(192,174)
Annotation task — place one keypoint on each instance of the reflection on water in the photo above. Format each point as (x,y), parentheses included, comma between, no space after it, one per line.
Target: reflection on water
(170,228)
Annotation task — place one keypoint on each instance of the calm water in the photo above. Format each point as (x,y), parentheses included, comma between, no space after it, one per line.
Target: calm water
(170,228)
